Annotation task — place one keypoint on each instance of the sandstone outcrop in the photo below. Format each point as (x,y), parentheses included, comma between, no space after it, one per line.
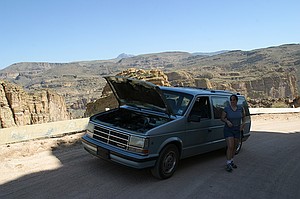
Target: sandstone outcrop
(181,78)
(273,85)
(264,92)
(270,86)
(18,107)
(74,81)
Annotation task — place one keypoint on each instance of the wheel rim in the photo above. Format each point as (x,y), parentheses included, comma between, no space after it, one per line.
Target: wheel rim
(169,162)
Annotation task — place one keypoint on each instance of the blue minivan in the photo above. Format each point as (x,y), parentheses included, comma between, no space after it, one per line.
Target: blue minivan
(155,127)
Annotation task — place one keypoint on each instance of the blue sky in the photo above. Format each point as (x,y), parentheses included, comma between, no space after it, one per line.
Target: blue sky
(81,30)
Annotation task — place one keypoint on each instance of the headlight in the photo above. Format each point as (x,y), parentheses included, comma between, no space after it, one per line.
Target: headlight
(137,141)
(138,144)
(90,129)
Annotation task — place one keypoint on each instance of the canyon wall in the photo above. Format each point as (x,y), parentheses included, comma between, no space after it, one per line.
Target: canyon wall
(18,107)
(278,87)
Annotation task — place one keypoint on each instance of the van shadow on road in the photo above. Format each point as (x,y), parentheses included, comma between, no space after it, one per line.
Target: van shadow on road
(268,166)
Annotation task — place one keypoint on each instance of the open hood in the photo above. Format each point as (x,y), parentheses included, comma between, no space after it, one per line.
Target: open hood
(138,93)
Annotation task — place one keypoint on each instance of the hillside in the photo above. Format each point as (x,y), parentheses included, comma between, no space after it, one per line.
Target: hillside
(268,72)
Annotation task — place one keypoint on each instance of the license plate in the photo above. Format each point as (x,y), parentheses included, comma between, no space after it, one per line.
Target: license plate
(103,153)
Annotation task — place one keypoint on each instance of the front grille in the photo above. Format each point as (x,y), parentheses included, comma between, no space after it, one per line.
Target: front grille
(111,137)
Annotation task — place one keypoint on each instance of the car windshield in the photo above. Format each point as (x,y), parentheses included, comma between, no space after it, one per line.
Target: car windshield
(178,102)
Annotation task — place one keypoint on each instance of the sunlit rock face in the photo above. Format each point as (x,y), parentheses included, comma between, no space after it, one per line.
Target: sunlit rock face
(18,107)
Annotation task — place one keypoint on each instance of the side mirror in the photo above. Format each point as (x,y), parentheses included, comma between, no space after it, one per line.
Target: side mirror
(194,118)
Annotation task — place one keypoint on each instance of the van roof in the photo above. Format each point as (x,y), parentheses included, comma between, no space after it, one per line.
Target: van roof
(196,91)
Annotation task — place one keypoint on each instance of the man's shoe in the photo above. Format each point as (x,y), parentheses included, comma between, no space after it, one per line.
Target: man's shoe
(229,168)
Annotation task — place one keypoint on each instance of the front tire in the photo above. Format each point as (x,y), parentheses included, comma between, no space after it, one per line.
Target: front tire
(166,163)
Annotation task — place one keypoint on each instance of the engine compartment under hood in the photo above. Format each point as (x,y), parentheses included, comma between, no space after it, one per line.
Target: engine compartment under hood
(130,120)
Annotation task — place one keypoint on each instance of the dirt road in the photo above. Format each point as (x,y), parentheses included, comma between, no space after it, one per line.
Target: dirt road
(268,167)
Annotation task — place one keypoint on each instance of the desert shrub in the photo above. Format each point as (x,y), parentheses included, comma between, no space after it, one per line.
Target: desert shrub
(279,105)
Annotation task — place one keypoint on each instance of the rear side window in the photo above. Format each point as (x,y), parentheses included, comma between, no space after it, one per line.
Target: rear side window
(219,103)
(242,101)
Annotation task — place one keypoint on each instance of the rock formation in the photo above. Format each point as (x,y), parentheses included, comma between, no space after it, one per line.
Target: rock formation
(273,85)
(181,78)
(265,91)
(19,108)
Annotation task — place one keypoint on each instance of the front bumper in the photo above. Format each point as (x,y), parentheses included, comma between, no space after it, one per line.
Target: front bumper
(117,155)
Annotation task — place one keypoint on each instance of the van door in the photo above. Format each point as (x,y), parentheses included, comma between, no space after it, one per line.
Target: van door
(218,105)
(198,128)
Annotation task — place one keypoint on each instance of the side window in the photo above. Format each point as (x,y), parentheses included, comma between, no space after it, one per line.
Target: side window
(219,103)
(178,101)
(201,107)
(242,101)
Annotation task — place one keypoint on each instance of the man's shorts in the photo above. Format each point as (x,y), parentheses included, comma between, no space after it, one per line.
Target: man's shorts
(232,132)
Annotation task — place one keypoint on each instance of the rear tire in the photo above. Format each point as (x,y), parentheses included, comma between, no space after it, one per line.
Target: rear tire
(166,163)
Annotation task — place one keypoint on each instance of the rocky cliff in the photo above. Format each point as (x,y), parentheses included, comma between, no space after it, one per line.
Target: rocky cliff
(274,86)
(77,83)
(18,107)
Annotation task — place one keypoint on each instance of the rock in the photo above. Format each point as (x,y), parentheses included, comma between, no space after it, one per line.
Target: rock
(203,83)
(18,107)
(181,78)
(154,76)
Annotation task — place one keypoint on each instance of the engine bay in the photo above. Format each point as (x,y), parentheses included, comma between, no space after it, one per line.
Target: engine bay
(131,120)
